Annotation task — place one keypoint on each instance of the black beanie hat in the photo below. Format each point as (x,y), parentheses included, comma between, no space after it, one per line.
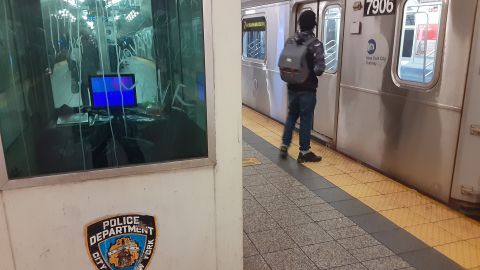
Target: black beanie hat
(307,20)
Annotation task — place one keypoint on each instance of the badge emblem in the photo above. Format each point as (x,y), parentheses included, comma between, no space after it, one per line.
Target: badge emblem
(372,46)
(123,242)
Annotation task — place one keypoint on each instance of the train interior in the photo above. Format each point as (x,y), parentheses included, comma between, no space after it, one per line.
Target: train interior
(420,35)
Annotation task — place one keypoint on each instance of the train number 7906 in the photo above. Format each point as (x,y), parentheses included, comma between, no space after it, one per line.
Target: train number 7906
(379,7)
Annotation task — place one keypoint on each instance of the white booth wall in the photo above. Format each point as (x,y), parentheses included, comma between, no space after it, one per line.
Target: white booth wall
(198,211)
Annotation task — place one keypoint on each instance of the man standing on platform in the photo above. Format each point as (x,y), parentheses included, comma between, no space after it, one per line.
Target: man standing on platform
(302,60)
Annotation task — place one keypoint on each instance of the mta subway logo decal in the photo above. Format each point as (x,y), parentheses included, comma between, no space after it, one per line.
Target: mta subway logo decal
(122,242)
(372,46)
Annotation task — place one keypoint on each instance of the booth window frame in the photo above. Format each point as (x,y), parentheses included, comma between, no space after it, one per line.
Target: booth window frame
(132,170)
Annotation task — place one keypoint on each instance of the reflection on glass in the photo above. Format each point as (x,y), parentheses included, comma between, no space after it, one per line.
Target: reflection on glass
(419,40)
(91,84)
(331,37)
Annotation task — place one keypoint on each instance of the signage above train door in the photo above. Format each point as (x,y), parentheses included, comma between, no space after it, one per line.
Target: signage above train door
(254,24)
(379,7)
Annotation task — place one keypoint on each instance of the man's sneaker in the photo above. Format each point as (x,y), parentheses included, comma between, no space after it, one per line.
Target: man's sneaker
(308,157)
(283,151)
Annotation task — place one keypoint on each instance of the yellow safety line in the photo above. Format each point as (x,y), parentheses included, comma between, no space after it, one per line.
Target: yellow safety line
(448,231)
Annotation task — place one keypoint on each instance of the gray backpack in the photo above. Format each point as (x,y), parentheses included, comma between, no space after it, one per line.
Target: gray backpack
(293,61)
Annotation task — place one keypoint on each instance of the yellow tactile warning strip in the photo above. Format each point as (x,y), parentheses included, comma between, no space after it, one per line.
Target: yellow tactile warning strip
(449,232)
(250,162)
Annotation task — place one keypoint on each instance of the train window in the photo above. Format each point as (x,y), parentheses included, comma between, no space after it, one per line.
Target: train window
(331,37)
(254,38)
(302,9)
(419,49)
(90,85)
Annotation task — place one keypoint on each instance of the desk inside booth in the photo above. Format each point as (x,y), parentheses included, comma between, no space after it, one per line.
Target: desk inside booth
(116,131)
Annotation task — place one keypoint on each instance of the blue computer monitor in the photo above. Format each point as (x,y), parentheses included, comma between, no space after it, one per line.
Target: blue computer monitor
(113,91)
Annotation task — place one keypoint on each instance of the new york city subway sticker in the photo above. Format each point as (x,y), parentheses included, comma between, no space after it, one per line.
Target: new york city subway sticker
(122,242)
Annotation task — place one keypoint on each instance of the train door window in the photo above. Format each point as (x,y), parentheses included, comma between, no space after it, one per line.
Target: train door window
(421,42)
(302,9)
(254,38)
(331,37)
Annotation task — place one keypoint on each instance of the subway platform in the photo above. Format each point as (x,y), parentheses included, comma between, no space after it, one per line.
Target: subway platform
(339,214)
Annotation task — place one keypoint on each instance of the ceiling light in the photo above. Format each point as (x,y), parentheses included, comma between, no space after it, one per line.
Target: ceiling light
(74,2)
(112,2)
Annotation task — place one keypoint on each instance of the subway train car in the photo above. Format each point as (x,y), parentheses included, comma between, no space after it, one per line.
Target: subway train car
(401,88)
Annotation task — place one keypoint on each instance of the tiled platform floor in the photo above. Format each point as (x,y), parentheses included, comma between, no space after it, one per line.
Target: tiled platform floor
(372,205)
(289,226)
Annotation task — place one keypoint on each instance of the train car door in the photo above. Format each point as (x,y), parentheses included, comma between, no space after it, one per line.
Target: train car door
(466,179)
(254,61)
(330,31)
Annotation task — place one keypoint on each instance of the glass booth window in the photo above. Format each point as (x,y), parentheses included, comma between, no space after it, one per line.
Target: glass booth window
(254,38)
(92,84)
(418,53)
(331,37)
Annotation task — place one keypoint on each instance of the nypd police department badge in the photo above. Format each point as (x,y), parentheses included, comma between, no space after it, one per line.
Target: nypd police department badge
(122,242)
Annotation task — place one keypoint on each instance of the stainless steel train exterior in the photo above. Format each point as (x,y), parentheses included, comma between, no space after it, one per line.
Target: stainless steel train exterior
(402,86)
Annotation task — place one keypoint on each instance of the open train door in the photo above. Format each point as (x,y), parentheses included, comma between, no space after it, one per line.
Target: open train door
(330,32)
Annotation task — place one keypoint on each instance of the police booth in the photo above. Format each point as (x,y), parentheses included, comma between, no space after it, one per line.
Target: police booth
(119,135)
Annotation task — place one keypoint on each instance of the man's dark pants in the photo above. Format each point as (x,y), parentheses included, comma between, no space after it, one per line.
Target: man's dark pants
(300,105)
